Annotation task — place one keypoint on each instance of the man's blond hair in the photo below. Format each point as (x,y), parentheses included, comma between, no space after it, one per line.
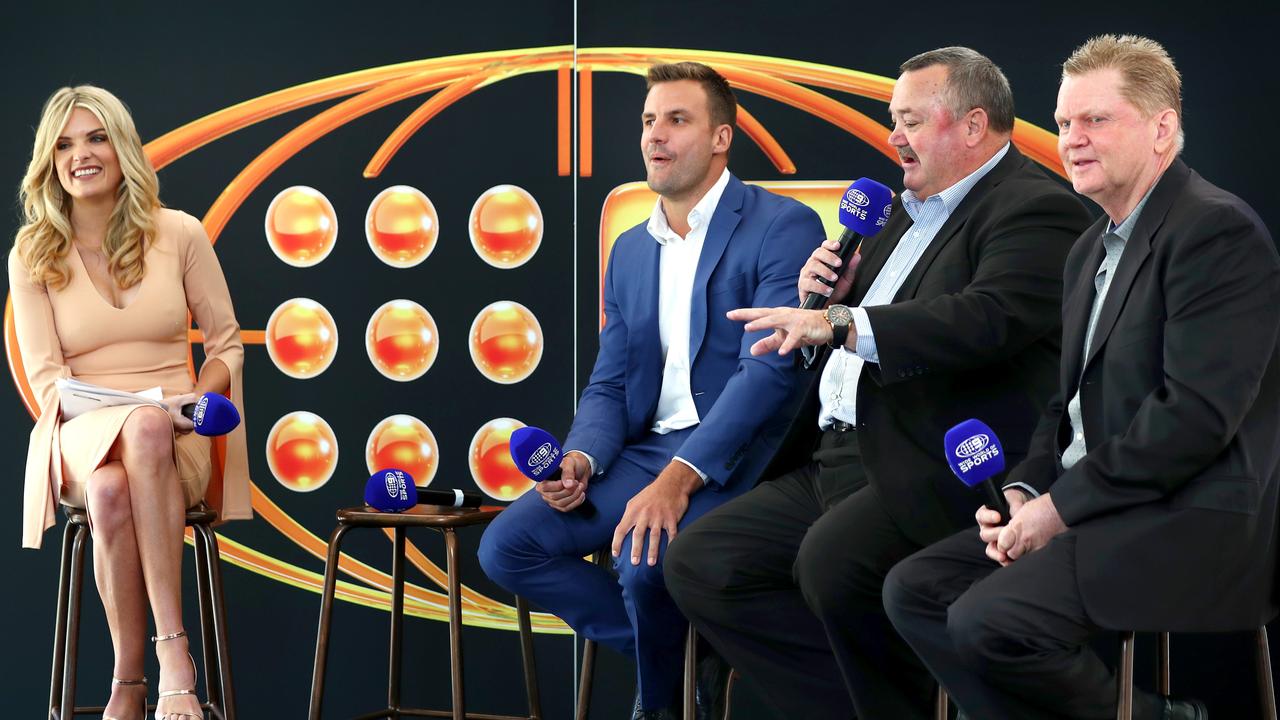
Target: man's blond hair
(1150,80)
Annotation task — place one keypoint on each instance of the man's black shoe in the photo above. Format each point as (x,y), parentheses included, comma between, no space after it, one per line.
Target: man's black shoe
(1185,710)
(709,690)
(638,713)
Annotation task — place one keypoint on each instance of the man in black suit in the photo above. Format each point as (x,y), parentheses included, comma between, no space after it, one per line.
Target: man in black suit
(954,313)
(1155,467)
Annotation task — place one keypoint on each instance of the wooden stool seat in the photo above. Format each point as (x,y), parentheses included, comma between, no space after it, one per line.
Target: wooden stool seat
(445,520)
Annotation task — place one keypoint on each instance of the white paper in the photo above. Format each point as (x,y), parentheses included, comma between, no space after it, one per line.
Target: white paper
(79,397)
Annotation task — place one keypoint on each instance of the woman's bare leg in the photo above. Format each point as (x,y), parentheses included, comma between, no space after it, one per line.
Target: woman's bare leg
(118,575)
(146,450)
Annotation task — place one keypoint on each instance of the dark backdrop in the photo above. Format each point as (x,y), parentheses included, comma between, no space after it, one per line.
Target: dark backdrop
(173,65)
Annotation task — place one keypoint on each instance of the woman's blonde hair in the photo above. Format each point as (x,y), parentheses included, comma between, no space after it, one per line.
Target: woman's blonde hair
(45,237)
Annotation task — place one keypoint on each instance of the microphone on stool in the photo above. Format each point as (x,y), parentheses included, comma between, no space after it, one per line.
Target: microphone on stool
(392,490)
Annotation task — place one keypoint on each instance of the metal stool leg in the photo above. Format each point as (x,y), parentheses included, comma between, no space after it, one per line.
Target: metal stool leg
(455,623)
(218,606)
(397,623)
(941,705)
(326,616)
(60,623)
(584,682)
(1124,678)
(690,671)
(68,705)
(528,660)
(728,694)
(588,660)
(1162,665)
(204,601)
(1266,686)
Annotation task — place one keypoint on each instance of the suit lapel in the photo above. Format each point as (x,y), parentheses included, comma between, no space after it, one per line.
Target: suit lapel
(648,273)
(1136,250)
(876,251)
(956,220)
(1078,302)
(724,221)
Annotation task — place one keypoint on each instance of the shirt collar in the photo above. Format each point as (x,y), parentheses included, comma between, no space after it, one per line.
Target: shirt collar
(1125,229)
(699,216)
(951,197)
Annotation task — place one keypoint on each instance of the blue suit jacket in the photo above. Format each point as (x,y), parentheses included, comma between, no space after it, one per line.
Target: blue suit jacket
(755,246)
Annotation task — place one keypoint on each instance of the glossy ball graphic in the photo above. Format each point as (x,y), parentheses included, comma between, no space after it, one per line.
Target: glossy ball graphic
(301,226)
(302,451)
(506,342)
(401,226)
(302,338)
(404,442)
(490,458)
(506,226)
(402,340)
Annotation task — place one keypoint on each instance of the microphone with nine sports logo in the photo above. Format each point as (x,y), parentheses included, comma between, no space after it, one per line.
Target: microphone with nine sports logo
(537,456)
(212,414)
(864,210)
(392,490)
(974,454)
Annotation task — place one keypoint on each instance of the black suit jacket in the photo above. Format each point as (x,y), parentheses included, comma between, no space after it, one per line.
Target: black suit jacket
(1174,504)
(972,332)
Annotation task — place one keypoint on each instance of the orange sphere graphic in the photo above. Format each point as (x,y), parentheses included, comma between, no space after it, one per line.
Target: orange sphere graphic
(506,226)
(404,442)
(302,451)
(301,226)
(402,341)
(491,463)
(506,342)
(302,338)
(401,226)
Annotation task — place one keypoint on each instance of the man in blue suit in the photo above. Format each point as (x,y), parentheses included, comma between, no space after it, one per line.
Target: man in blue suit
(678,416)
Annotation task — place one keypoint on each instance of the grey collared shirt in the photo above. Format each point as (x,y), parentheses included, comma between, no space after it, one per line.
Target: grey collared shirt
(1113,244)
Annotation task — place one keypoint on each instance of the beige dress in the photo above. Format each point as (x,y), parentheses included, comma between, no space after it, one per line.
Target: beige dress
(75,332)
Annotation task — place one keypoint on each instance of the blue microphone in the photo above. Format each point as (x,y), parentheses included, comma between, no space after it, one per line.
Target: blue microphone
(537,456)
(390,490)
(974,454)
(864,210)
(212,414)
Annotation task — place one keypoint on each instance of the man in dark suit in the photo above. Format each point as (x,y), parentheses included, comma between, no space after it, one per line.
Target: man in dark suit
(1155,467)
(954,314)
(678,416)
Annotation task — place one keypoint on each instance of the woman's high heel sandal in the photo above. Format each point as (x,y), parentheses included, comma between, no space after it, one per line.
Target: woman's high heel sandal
(117,681)
(173,693)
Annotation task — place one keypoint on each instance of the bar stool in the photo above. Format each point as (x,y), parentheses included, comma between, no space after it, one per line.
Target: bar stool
(601,558)
(213,619)
(446,521)
(1124,673)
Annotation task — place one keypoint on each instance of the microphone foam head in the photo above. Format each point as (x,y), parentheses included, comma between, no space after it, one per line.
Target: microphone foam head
(865,206)
(535,452)
(214,415)
(390,490)
(973,452)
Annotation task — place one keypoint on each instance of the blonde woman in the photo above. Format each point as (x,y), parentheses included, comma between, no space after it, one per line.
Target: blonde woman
(102,279)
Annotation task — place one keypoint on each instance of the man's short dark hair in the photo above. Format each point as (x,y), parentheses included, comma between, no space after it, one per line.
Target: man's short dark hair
(721,102)
(973,81)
